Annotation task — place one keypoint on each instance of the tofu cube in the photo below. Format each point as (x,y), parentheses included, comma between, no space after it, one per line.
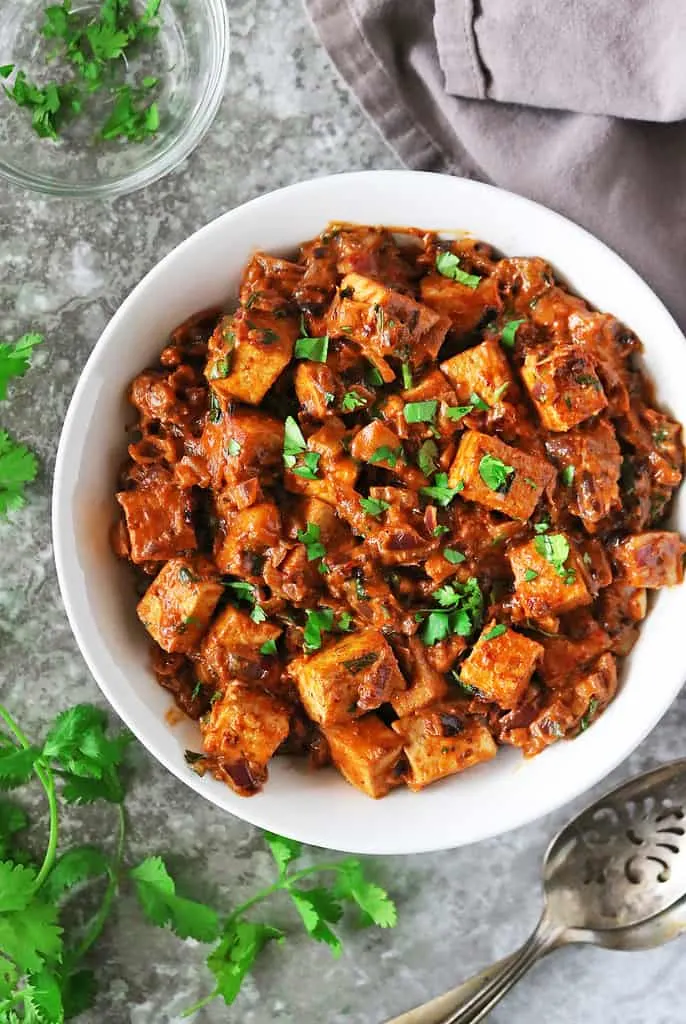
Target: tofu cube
(366,753)
(231,649)
(439,741)
(357,674)
(248,352)
(177,606)
(592,452)
(336,469)
(464,306)
(426,684)
(314,385)
(241,445)
(159,521)
(563,385)
(653,559)
(541,589)
(524,477)
(241,733)
(240,548)
(501,665)
(481,370)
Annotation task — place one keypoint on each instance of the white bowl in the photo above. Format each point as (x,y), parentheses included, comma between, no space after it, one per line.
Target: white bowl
(319,807)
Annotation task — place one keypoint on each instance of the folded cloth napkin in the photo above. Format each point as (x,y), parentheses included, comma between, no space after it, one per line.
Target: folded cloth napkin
(453,90)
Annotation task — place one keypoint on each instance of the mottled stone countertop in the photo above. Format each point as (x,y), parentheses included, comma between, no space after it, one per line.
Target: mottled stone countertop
(64,268)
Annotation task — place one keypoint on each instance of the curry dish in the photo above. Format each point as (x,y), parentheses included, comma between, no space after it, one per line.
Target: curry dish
(402,506)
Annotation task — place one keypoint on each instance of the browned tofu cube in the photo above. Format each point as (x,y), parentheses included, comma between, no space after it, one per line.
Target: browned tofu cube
(231,649)
(426,686)
(332,531)
(439,741)
(464,306)
(501,665)
(248,352)
(315,388)
(653,559)
(498,476)
(357,674)
(545,587)
(159,521)
(248,535)
(482,370)
(336,468)
(366,753)
(591,458)
(241,733)
(563,385)
(177,606)
(241,445)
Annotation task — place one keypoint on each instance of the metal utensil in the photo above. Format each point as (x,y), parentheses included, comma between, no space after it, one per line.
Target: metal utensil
(615,877)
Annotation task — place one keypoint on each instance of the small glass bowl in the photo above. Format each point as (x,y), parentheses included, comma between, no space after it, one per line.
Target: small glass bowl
(189,56)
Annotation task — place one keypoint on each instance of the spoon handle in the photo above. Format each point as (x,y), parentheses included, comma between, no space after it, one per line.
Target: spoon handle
(475,998)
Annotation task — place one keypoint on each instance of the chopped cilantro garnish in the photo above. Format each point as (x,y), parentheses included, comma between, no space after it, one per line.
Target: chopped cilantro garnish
(427,456)
(233,448)
(421,412)
(554,547)
(268,647)
(407,376)
(317,623)
(477,402)
(507,335)
(314,349)
(439,530)
(311,538)
(351,401)
(440,491)
(542,527)
(374,507)
(388,455)
(456,412)
(530,575)
(567,476)
(461,609)
(296,456)
(374,378)
(593,706)
(448,264)
(500,391)
(495,474)
(495,632)
(454,557)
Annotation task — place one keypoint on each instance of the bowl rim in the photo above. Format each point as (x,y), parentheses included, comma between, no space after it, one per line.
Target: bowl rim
(162,163)
(593,771)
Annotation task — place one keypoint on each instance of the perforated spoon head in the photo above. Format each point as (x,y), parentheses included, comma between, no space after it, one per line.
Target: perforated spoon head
(622,860)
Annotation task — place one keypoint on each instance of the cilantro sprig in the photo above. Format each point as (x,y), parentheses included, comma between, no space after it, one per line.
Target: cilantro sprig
(461,611)
(43,943)
(18,465)
(296,455)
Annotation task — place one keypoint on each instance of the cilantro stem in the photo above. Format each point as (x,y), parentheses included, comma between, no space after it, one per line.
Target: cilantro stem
(283,884)
(47,780)
(99,920)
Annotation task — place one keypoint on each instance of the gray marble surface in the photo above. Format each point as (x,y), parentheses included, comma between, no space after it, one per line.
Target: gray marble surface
(64,268)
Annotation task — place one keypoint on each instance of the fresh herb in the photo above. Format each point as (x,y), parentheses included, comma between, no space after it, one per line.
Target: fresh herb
(311,538)
(456,412)
(314,349)
(440,491)
(268,647)
(18,467)
(461,612)
(356,665)
(351,401)
(567,476)
(542,527)
(246,592)
(221,369)
(374,378)
(296,455)
(495,474)
(134,116)
(448,264)
(494,633)
(554,547)
(507,335)
(215,409)
(258,614)
(373,506)
(388,455)
(407,376)
(421,412)
(439,530)
(477,402)
(454,557)
(15,359)
(233,448)
(500,391)
(427,456)
(345,622)
(50,106)
(317,622)
(530,575)
(593,706)
(659,436)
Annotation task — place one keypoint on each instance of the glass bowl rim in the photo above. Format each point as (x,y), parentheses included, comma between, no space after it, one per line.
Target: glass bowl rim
(178,148)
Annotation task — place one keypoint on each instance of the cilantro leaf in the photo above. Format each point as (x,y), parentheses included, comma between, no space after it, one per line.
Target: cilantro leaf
(319,908)
(495,474)
(554,547)
(133,116)
(269,647)
(17,886)
(373,506)
(593,706)
(567,476)
(314,349)
(406,375)
(440,491)
(388,455)
(156,892)
(31,936)
(234,957)
(427,456)
(507,335)
(44,997)
(448,264)
(317,623)
(374,902)
(311,538)
(530,575)
(18,466)
(454,557)
(420,412)
(352,401)
(295,450)
(15,359)
(75,866)
(477,402)
(16,765)
(494,633)
(462,610)
(284,851)
(456,412)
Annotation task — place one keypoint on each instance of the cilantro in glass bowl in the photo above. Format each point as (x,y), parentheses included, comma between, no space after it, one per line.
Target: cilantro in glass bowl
(104,97)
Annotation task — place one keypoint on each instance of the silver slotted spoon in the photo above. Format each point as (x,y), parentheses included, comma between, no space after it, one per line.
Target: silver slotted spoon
(615,877)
